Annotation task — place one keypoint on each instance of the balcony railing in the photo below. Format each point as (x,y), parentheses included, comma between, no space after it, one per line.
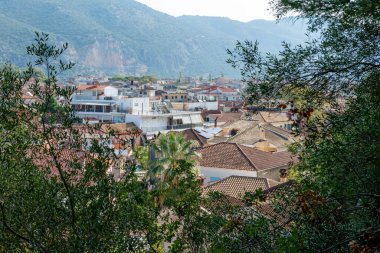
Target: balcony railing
(170,127)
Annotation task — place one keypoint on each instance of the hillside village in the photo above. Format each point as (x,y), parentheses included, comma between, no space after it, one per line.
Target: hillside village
(233,143)
(119,131)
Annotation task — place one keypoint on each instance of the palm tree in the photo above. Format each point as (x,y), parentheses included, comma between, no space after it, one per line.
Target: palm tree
(165,172)
(170,150)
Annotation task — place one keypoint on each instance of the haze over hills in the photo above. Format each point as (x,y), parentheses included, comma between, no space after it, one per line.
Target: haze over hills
(114,36)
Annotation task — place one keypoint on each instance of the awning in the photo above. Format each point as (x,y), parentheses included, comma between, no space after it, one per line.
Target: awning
(196,119)
(186,120)
(92,103)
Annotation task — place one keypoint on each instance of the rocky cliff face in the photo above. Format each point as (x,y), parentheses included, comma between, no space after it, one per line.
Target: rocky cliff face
(125,36)
(106,54)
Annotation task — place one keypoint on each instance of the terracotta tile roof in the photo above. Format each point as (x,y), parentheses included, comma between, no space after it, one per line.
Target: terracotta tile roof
(248,136)
(286,133)
(272,117)
(217,139)
(192,135)
(91,87)
(239,157)
(237,186)
(223,89)
(205,113)
(273,198)
(276,140)
(239,124)
(234,188)
(252,135)
(121,128)
(69,160)
(228,117)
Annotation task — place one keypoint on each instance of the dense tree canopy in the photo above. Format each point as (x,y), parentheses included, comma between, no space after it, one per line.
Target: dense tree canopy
(337,73)
(56,193)
(343,48)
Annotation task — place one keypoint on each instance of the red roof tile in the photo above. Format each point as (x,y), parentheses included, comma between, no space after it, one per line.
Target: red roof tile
(192,135)
(91,87)
(237,186)
(239,157)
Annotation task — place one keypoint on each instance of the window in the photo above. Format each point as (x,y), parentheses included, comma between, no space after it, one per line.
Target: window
(118,119)
(136,104)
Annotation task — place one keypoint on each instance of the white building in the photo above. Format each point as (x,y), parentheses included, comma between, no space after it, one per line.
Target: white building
(154,122)
(108,104)
(195,106)
(215,93)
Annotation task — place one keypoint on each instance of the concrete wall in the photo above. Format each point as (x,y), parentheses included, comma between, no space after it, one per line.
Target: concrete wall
(178,97)
(110,91)
(208,105)
(201,96)
(148,123)
(193,105)
(136,105)
(151,123)
(272,173)
(133,118)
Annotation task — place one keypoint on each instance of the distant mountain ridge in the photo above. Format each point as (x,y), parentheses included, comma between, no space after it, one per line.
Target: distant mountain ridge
(113,36)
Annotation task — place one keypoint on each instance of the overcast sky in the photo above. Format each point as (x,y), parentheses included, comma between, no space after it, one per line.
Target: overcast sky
(243,10)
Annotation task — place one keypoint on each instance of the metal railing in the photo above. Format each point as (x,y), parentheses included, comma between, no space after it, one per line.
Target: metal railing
(170,127)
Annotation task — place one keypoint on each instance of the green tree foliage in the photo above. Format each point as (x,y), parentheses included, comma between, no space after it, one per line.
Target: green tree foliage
(173,154)
(341,161)
(342,50)
(335,206)
(56,195)
(142,80)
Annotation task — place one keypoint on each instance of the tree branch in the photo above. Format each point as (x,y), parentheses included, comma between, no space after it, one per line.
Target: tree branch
(32,243)
(349,239)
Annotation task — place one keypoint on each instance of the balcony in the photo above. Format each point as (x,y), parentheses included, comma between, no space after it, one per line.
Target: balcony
(169,127)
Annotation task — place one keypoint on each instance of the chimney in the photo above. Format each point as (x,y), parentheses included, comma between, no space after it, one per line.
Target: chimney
(262,133)
(283,175)
(201,180)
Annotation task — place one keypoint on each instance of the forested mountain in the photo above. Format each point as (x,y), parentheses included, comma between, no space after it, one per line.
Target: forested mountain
(126,36)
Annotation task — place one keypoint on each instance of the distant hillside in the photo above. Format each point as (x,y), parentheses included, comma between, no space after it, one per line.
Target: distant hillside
(114,36)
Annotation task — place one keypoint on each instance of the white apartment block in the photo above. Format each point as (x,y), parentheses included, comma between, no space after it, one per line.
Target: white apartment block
(109,104)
